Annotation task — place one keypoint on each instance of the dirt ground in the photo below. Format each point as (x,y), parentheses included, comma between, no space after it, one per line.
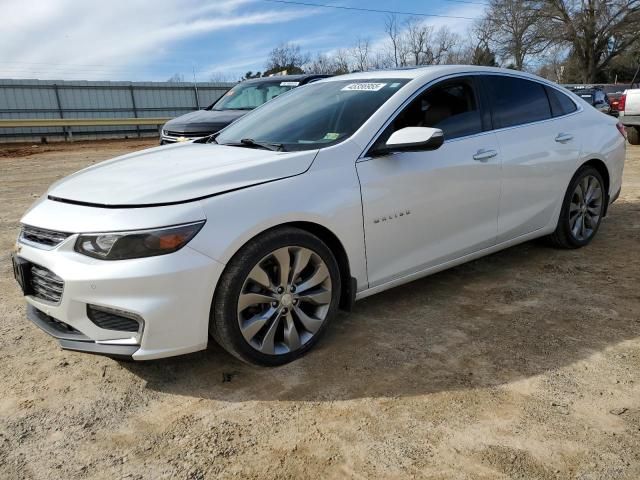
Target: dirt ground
(523,365)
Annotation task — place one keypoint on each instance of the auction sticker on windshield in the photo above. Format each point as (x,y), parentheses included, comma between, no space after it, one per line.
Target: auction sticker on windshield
(364,87)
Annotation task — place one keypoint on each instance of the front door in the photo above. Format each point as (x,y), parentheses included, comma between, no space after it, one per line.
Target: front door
(422,209)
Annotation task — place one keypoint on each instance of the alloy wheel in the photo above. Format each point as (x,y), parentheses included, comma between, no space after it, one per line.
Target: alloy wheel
(284,300)
(585,209)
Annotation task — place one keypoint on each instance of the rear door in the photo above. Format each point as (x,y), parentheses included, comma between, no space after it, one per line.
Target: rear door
(539,148)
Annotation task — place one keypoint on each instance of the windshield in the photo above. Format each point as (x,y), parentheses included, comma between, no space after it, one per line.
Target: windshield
(313,116)
(247,96)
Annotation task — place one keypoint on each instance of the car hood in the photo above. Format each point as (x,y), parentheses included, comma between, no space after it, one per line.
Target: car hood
(207,121)
(176,174)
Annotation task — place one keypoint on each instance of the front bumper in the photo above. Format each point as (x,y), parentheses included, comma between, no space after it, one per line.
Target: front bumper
(629,120)
(171,294)
(71,339)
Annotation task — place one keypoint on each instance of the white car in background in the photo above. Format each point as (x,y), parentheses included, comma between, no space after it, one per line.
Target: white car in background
(328,194)
(629,114)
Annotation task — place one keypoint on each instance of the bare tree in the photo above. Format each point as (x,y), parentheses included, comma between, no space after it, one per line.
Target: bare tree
(223,77)
(323,64)
(478,48)
(418,37)
(403,53)
(598,31)
(286,57)
(382,59)
(552,63)
(342,61)
(392,29)
(482,32)
(361,52)
(517,30)
(443,44)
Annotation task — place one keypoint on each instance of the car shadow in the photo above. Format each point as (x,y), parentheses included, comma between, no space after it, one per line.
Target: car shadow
(512,315)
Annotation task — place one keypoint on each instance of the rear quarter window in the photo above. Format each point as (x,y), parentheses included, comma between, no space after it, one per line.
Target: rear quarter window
(560,103)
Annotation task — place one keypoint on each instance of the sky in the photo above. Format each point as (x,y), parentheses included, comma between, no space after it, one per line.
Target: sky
(151,40)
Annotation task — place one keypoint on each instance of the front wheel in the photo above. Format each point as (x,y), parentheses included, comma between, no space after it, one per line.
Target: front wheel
(582,210)
(276,297)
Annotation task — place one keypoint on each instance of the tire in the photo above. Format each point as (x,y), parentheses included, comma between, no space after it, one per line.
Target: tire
(633,135)
(591,211)
(283,327)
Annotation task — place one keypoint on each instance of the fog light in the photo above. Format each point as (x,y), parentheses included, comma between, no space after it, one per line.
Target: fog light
(114,319)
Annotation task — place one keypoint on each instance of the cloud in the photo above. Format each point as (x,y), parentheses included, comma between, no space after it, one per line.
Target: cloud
(103,40)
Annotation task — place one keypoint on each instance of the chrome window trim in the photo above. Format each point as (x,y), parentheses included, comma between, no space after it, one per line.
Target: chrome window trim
(363,157)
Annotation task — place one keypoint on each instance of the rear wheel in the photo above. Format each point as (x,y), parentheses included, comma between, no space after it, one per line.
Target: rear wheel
(276,297)
(582,210)
(633,135)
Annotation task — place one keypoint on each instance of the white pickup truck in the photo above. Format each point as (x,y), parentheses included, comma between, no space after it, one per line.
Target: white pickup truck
(629,108)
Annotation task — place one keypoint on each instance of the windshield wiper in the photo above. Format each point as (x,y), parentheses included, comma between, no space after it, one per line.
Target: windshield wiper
(274,147)
(212,138)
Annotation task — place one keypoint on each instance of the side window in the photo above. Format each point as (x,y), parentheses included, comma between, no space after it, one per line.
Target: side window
(451,106)
(515,101)
(561,104)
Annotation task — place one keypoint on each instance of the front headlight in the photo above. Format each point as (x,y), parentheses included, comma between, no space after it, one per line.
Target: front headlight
(137,244)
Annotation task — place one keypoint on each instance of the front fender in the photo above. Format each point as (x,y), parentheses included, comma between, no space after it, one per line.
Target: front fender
(236,217)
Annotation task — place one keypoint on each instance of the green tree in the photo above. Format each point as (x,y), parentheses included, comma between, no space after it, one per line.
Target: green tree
(483,56)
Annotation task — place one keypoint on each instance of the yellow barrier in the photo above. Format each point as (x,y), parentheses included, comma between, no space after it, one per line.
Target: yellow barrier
(67,123)
(77,122)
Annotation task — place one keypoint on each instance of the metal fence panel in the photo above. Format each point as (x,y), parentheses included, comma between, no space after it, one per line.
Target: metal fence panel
(38,99)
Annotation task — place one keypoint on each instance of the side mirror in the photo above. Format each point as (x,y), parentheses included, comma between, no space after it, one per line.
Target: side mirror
(413,139)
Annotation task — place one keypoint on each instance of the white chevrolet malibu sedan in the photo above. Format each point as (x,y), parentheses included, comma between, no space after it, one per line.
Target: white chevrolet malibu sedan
(328,194)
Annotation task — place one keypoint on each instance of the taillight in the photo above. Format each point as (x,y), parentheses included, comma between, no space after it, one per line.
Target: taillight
(621,103)
(621,129)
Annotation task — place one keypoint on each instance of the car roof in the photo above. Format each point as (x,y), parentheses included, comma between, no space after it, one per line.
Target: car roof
(428,72)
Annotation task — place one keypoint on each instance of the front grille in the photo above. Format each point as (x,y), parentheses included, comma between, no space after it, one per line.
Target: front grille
(45,284)
(42,237)
(172,133)
(112,319)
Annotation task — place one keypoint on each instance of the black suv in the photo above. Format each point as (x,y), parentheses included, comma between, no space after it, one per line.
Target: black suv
(232,105)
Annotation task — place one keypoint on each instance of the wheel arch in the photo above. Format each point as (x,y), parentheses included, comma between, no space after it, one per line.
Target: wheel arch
(348,283)
(603,170)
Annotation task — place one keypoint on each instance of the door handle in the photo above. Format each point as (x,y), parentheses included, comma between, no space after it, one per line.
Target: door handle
(483,155)
(564,137)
